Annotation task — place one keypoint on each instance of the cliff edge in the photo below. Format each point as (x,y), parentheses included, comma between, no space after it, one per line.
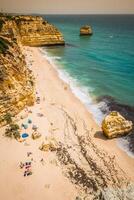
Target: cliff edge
(34,31)
(31,30)
(16,79)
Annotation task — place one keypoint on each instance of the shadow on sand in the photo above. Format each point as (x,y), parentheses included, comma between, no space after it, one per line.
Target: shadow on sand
(100,135)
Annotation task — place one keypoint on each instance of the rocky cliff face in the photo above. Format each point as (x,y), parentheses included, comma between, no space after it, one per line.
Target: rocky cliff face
(16,80)
(34,31)
(115,125)
(31,31)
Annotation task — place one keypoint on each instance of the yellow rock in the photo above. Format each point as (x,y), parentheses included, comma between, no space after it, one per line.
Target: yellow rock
(86,30)
(16,90)
(16,80)
(34,31)
(115,125)
(36,135)
(50,145)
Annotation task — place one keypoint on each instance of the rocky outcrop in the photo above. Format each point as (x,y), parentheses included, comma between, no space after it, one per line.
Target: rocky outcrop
(49,145)
(31,30)
(86,30)
(34,31)
(16,80)
(115,125)
(36,135)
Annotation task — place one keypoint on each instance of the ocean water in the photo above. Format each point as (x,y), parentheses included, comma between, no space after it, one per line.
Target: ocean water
(100,68)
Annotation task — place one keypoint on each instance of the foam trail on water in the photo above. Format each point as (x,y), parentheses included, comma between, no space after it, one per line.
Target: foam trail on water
(123,143)
(79,91)
(83,93)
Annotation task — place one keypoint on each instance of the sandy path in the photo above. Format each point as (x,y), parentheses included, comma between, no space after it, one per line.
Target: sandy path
(84,163)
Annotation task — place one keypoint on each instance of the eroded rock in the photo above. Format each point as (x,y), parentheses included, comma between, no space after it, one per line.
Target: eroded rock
(32,31)
(115,125)
(16,80)
(36,135)
(49,145)
(86,30)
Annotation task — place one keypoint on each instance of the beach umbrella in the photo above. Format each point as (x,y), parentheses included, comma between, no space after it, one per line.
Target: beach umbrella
(24,135)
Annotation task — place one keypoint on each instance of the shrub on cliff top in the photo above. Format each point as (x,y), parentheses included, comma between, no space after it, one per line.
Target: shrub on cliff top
(6,15)
(9,17)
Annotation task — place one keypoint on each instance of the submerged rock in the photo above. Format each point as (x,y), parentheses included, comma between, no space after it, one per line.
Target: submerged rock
(86,30)
(115,125)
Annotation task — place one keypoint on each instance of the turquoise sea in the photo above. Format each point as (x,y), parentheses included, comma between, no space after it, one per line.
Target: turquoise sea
(99,68)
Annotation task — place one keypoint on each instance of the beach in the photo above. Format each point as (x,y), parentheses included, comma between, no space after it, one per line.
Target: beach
(82,148)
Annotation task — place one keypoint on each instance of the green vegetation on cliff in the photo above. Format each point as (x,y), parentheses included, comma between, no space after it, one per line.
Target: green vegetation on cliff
(1,23)
(13,131)
(4,45)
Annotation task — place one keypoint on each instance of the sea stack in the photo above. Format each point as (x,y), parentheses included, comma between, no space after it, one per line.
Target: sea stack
(86,30)
(115,125)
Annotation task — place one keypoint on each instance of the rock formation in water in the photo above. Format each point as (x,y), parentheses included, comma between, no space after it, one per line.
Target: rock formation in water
(86,30)
(115,125)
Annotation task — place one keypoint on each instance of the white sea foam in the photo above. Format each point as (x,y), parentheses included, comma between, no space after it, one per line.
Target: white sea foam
(124,145)
(81,92)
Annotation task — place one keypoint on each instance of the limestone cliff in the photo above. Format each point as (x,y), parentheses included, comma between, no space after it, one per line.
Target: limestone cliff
(115,125)
(34,31)
(16,80)
(31,31)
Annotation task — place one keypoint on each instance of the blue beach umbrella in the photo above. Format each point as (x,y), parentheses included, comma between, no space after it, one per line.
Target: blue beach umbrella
(24,135)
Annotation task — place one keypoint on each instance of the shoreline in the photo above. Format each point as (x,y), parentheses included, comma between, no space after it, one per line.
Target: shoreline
(78,91)
(99,139)
(94,108)
(65,119)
